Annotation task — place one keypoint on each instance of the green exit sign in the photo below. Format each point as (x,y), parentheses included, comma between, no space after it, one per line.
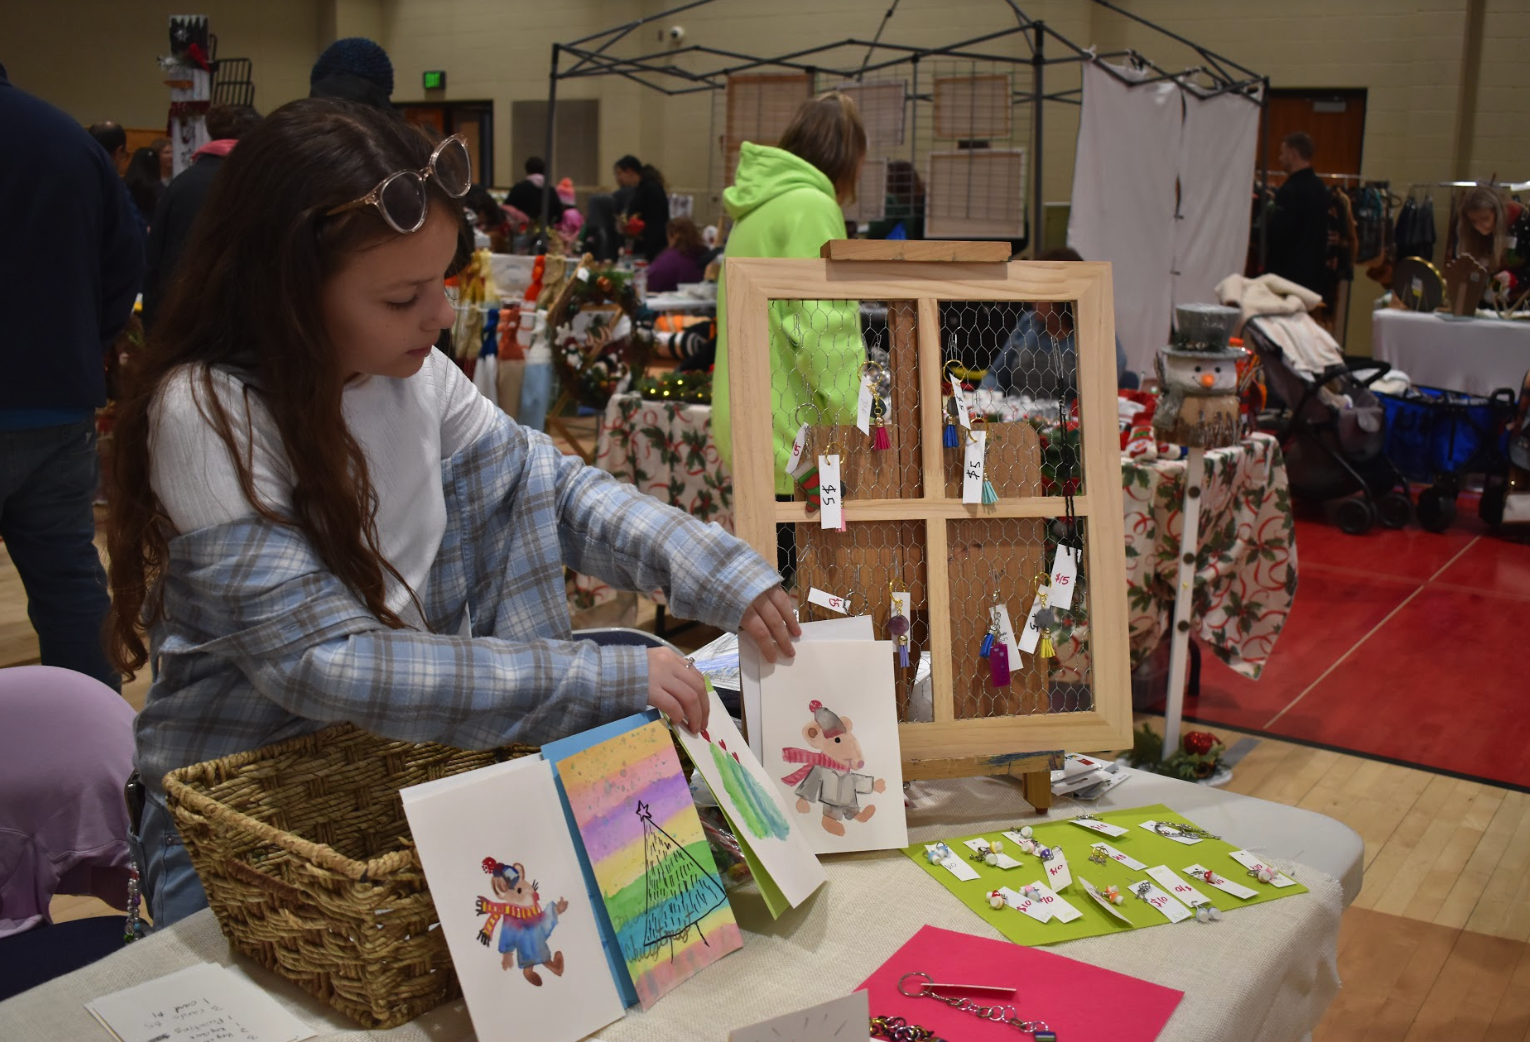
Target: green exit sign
(435,79)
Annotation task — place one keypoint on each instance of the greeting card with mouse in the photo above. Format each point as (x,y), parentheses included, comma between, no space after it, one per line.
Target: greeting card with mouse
(506,881)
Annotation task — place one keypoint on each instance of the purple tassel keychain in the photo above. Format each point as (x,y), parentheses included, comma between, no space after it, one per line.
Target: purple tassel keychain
(998,664)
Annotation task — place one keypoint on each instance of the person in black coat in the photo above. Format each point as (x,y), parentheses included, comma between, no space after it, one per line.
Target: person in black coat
(182,202)
(71,261)
(1298,229)
(526,195)
(650,201)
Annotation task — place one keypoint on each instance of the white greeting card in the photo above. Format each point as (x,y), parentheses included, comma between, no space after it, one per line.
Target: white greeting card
(830,739)
(839,1020)
(856,627)
(514,908)
(761,818)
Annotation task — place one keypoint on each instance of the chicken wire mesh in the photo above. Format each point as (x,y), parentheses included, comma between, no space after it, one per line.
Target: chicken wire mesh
(828,357)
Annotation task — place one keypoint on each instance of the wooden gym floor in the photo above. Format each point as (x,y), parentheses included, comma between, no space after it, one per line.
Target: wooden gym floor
(1438,943)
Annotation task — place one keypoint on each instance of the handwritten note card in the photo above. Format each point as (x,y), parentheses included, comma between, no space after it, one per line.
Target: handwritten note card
(206,1003)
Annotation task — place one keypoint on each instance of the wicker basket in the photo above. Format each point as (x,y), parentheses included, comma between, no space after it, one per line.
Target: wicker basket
(308,863)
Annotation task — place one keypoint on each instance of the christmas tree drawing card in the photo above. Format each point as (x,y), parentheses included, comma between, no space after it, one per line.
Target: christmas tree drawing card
(668,910)
(523,932)
(830,735)
(769,832)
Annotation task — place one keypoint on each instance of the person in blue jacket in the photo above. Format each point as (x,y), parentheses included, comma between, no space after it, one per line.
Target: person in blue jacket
(71,262)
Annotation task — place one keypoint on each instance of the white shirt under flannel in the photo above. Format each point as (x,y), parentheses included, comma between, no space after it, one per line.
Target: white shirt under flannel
(260,642)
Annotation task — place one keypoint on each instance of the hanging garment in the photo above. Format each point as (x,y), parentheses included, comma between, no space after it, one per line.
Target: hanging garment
(1123,199)
(1217,156)
(1368,211)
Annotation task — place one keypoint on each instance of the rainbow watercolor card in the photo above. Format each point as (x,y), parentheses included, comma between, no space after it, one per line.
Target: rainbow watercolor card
(664,898)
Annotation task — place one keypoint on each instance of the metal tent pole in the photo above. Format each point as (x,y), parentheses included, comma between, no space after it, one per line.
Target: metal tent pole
(1038,64)
(552,123)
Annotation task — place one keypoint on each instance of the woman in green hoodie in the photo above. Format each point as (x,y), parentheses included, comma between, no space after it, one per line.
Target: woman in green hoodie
(786,202)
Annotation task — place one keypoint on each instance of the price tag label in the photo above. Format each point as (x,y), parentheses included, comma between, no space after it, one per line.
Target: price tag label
(982,846)
(831,493)
(972,468)
(828,600)
(863,405)
(1104,828)
(799,458)
(1227,886)
(1172,910)
(1249,861)
(1058,875)
(956,866)
(959,396)
(1030,636)
(1064,578)
(1115,855)
(1006,862)
(1061,910)
(1183,891)
(583,274)
(1020,903)
(1101,900)
(1188,841)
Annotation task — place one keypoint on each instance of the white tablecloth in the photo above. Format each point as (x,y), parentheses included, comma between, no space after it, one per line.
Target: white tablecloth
(1262,974)
(1475,355)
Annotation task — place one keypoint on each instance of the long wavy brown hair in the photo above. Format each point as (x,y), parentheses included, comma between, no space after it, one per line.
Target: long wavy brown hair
(247,298)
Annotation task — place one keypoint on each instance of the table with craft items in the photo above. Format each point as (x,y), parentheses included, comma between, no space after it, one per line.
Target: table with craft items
(1246,569)
(1474,355)
(1264,973)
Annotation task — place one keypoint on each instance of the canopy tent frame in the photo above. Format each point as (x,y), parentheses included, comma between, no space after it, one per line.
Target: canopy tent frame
(658,71)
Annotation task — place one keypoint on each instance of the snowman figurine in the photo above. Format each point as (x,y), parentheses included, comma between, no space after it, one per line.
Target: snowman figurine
(1198,380)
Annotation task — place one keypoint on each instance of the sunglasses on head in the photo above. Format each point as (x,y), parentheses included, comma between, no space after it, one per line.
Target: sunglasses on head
(401,197)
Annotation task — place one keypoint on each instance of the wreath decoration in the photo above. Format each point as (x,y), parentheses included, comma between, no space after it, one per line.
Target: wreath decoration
(593,365)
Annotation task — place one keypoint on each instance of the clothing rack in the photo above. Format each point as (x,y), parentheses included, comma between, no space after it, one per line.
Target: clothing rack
(1368,182)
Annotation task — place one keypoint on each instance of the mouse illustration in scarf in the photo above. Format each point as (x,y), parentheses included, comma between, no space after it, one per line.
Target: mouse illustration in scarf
(829,777)
(526,924)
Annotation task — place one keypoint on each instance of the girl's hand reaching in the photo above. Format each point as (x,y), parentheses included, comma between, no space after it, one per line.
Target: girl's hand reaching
(770,623)
(676,689)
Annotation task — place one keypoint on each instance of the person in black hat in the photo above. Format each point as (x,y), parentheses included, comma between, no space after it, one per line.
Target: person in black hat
(354,69)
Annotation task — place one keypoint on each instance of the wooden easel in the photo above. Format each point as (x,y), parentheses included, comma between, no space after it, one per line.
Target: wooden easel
(945,550)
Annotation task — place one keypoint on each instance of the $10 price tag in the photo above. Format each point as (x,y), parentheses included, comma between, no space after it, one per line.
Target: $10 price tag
(1172,910)
(1181,890)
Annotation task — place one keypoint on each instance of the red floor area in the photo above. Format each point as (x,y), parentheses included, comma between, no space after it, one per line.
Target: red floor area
(1405,645)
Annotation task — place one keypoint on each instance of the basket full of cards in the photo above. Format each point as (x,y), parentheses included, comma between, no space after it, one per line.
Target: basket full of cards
(307,860)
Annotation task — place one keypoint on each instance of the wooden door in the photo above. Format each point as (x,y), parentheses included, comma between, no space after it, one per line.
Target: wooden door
(1334,119)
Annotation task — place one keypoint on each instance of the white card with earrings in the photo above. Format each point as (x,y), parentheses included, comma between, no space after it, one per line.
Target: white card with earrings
(1181,890)
(1061,910)
(1253,864)
(1202,874)
(1172,910)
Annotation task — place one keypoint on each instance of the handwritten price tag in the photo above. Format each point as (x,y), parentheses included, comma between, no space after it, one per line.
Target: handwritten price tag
(1058,876)
(1188,841)
(828,600)
(1061,910)
(1104,828)
(1172,910)
(1101,900)
(957,867)
(972,468)
(799,458)
(1007,633)
(963,416)
(1227,886)
(1114,854)
(830,493)
(1030,635)
(1182,890)
(1064,578)
(863,406)
(1020,903)
(1248,860)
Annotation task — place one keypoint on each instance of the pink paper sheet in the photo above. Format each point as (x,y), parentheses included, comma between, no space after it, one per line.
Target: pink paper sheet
(1076,1000)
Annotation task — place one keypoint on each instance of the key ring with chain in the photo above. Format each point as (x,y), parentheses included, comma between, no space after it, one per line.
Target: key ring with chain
(925,987)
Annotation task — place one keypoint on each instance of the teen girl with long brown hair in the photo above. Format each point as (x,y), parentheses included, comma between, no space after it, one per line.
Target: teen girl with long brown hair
(318,519)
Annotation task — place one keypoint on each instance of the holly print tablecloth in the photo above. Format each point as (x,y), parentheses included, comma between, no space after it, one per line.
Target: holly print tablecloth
(1246,565)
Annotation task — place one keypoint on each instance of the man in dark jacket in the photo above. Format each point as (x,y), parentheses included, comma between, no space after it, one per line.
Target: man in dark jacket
(182,201)
(1298,235)
(649,201)
(71,260)
(526,196)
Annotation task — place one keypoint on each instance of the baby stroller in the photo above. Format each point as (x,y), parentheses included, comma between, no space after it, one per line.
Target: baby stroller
(1332,429)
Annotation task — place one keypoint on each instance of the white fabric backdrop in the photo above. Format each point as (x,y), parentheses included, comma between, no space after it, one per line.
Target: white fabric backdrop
(1123,200)
(1218,153)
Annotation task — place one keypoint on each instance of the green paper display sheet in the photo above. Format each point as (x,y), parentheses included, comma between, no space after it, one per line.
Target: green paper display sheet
(1148,847)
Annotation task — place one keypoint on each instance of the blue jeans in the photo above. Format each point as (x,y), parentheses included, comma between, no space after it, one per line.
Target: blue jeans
(172,890)
(48,478)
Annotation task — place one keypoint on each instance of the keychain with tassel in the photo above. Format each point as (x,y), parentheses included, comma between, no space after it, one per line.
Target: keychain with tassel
(948,435)
(1046,618)
(990,495)
(801,464)
(880,441)
(898,624)
(998,653)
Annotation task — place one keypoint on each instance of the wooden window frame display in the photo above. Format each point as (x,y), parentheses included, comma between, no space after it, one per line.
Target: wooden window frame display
(869,206)
(975,107)
(948,179)
(914,285)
